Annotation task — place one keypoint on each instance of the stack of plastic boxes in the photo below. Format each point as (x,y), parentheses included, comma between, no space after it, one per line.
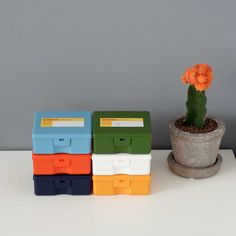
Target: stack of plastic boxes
(122,152)
(62,153)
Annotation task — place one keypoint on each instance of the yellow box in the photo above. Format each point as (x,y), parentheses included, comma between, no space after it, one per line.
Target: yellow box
(121,184)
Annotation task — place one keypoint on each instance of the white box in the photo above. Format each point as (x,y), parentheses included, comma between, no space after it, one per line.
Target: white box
(121,163)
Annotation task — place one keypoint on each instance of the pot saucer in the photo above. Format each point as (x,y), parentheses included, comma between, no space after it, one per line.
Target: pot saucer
(194,172)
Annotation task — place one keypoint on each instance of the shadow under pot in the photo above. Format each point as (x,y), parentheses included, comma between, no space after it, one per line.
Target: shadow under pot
(195,155)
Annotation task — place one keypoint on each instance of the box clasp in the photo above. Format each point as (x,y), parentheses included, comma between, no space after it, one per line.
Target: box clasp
(121,182)
(121,162)
(61,142)
(62,183)
(61,162)
(122,141)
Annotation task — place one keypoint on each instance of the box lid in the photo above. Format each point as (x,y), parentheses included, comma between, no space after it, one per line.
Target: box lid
(129,123)
(71,124)
(121,156)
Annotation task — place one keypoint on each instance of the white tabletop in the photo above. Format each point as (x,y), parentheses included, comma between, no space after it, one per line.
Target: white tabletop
(176,206)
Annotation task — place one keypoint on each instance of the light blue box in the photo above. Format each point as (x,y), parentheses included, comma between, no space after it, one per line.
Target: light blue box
(62,132)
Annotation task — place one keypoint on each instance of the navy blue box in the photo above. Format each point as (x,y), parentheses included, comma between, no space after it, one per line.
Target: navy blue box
(62,184)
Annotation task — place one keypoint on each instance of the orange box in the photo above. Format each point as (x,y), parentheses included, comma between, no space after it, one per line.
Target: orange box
(121,184)
(51,164)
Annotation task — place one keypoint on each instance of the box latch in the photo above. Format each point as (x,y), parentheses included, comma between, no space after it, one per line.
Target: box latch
(62,183)
(61,162)
(62,142)
(122,141)
(121,162)
(121,182)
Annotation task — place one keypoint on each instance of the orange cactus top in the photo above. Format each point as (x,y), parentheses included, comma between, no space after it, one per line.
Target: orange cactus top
(200,75)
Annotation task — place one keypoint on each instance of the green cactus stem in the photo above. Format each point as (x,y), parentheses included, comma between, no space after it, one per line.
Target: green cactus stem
(196,107)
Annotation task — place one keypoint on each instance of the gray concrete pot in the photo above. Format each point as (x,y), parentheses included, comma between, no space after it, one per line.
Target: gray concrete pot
(195,155)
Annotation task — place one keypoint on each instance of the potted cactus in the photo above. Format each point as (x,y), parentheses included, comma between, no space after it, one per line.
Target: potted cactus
(195,137)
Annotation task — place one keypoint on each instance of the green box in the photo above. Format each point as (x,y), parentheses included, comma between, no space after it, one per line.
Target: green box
(122,132)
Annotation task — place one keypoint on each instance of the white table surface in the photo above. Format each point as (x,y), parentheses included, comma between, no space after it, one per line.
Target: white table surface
(176,206)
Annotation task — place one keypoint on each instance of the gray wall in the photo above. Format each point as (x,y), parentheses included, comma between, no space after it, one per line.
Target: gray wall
(108,55)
